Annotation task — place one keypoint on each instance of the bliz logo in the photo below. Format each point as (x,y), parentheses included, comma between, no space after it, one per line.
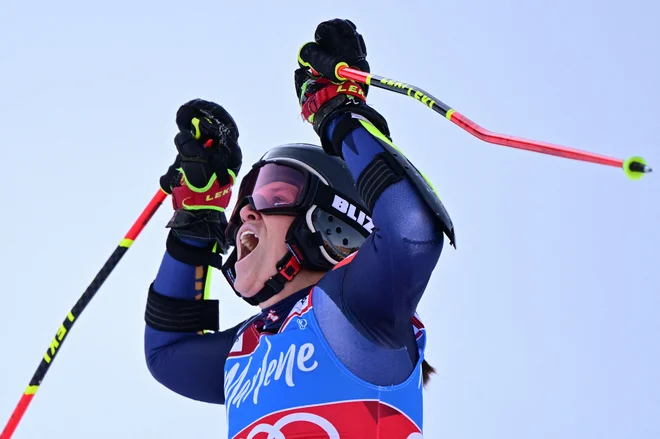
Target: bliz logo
(350,211)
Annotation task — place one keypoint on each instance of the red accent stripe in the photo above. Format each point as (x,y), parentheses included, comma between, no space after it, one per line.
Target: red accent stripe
(146,215)
(16,416)
(417,322)
(531,145)
(504,139)
(346,261)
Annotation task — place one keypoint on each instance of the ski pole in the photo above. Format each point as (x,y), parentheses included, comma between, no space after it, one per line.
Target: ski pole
(634,167)
(77,309)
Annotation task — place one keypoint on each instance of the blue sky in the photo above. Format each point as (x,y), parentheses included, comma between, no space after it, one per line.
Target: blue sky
(542,324)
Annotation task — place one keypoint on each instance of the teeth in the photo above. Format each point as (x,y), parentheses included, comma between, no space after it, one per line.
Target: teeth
(246,241)
(246,233)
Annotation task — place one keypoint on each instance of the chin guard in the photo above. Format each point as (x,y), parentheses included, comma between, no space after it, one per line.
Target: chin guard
(287,268)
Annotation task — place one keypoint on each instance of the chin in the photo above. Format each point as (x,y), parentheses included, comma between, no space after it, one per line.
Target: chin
(248,283)
(245,286)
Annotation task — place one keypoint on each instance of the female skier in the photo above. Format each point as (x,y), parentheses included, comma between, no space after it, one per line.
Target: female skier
(337,350)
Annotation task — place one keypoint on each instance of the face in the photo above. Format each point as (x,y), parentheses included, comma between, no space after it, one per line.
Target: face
(260,240)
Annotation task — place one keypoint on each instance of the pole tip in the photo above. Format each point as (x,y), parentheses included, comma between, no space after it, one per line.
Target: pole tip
(636,167)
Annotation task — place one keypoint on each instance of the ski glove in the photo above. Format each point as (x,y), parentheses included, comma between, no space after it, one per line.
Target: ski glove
(322,92)
(336,43)
(202,176)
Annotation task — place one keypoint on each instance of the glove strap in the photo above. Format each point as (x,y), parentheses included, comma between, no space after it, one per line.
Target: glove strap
(213,196)
(313,103)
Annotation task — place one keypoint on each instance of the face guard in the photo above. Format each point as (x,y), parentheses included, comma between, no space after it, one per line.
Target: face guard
(328,227)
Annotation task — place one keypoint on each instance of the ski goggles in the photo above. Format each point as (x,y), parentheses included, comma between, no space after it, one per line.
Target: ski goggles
(277,187)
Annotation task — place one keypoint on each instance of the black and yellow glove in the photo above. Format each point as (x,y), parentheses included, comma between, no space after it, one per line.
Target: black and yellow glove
(322,92)
(202,176)
(336,43)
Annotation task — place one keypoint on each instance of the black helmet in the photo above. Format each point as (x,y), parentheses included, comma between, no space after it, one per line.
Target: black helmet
(331,220)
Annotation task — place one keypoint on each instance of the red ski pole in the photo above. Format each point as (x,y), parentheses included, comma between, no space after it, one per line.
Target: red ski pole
(634,167)
(77,309)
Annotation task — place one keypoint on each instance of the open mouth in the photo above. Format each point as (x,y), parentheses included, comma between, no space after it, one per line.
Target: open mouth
(249,241)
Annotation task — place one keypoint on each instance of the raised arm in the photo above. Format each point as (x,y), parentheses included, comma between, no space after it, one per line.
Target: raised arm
(184,348)
(384,282)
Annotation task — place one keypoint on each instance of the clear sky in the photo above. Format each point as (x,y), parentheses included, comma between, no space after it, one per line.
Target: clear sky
(543,324)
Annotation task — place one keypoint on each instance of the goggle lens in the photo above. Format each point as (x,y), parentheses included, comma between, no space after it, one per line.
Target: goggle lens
(270,187)
(277,186)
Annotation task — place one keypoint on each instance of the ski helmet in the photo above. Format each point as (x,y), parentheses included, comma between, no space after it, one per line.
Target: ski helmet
(331,220)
